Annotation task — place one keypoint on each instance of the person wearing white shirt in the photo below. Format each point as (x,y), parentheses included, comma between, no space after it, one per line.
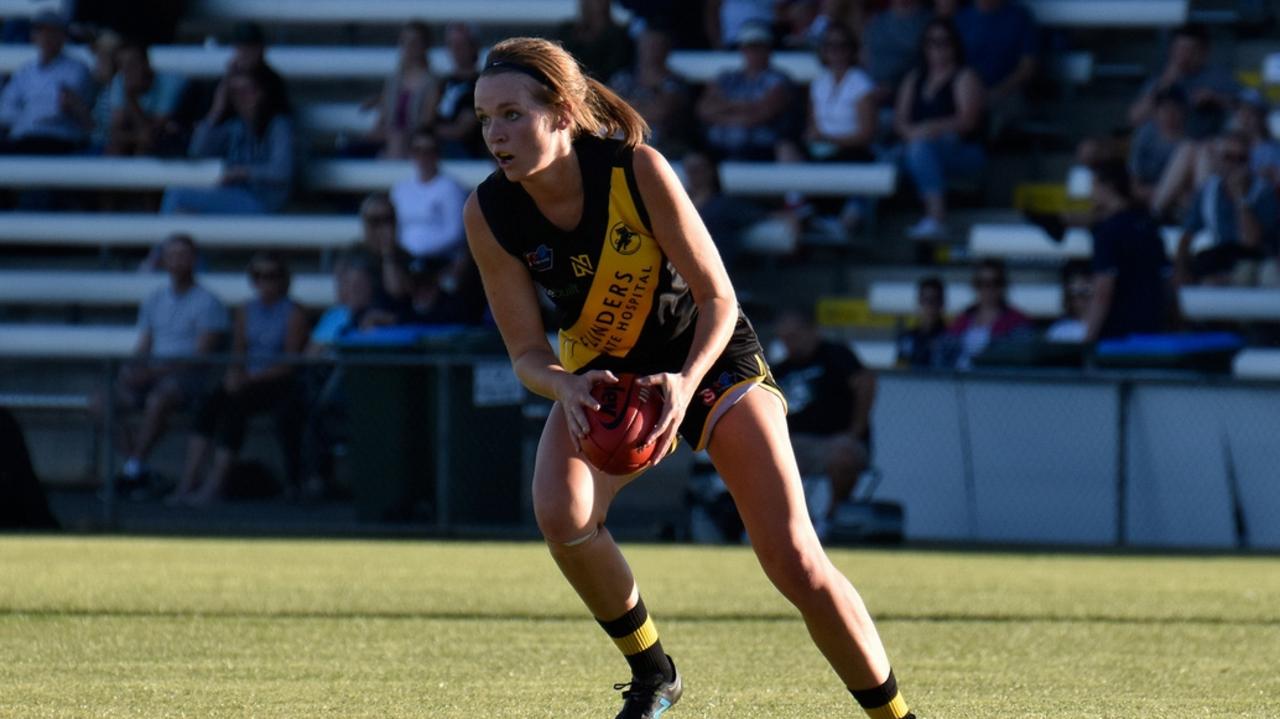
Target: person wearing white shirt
(429,206)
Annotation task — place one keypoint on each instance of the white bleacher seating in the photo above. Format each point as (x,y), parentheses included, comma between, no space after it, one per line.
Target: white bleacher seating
(899,298)
(75,287)
(1109,13)
(1257,364)
(29,8)
(67,341)
(1044,301)
(342,12)
(876,354)
(144,230)
(343,62)
(1029,242)
(128,173)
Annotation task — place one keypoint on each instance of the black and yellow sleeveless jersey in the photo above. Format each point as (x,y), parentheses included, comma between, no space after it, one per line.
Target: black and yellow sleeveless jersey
(620,304)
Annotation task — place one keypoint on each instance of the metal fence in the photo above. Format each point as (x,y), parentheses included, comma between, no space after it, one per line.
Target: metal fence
(443,443)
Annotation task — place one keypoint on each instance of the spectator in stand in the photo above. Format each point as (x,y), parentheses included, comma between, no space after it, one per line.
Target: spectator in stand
(891,43)
(1001,44)
(409,95)
(939,115)
(1130,269)
(842,102)
(801,24)
(379,248)
(429,205)
(180,320)
(326,425)
(1252,119)
(267,328)
(435,297)
(1077,294)
(924,344)
(661,96)
(746,111)
(601,45)
(253,135)
(105,46)
(249,54)
(1208,88)
(726,19)
(726,218)
(46,105)
(990,319)
(1155,142)
(456,125)
(829,398)
(1240,211)
(137,110)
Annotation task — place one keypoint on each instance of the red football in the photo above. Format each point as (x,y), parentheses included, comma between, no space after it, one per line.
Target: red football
(627,414)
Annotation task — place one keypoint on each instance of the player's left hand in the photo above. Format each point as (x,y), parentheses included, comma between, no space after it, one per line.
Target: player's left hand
(676,391)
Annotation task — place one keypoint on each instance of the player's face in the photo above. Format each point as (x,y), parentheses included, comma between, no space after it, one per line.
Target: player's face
(521,133)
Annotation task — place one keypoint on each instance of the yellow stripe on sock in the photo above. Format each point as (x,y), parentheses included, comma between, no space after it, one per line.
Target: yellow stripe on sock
(895,709)
(639,640)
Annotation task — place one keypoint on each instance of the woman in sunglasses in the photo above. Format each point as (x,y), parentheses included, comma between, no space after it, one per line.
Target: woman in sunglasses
(267,327)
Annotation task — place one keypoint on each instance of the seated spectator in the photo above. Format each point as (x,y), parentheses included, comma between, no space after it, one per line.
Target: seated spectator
(379,248)
(829,398)
(662,97)
(1207,87)
(1130,270)
(924,344)
(601,45)
(435,297)
(1155,142)
(726,218)
(105,46)
(429,205)
(179,321)
(254,137)
(266,328)
(249,54)
(456,125)
(891,43)
(409,95)
(1239,210)
(1077,294)
(939,116)
(136,111)
(1002,45)
(842,102)
(46,105)
(746,111)
(1251,118)
(801,24)
(326,425)
(726,19)
(990,319)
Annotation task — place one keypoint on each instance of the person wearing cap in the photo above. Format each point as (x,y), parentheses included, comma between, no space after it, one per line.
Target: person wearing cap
(45,108)
(746,111)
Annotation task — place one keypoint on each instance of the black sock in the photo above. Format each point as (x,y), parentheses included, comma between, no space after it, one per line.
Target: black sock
(637,638)
(884,701)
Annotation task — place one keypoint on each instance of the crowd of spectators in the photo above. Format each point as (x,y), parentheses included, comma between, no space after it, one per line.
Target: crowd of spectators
(930,86)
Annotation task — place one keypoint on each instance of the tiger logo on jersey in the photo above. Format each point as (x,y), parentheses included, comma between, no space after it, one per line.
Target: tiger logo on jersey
(624,240)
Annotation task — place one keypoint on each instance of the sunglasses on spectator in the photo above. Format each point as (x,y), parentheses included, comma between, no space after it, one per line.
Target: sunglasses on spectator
(422,148)
(984,283)
(268,274)
(836,44)
(379,219)
(938,41)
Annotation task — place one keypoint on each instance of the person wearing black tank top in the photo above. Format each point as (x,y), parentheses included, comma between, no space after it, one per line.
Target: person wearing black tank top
(938,115)
(582,210)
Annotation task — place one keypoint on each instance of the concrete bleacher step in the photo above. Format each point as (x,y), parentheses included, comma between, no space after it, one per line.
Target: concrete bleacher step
(76,287)
(130,229)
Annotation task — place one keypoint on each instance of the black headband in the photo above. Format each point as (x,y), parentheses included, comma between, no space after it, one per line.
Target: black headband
(496,66)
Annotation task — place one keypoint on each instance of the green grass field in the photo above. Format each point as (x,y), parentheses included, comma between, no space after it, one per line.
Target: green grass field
(124,627)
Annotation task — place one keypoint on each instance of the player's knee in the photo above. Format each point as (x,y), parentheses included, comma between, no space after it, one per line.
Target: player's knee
(562,527)
(799,571)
